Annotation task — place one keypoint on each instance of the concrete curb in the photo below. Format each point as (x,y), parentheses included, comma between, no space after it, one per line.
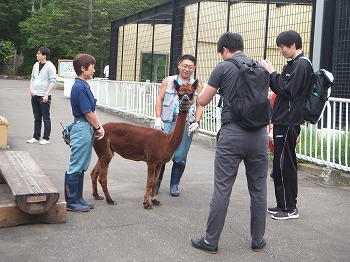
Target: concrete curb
(12,77)
(326,176)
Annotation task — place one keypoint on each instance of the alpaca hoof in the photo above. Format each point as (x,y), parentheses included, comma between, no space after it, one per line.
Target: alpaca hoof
(111,202)
(98,197)
(156,202)
(146,205)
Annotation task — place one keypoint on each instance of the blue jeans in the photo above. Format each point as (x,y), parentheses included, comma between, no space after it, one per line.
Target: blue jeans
(180,154)
(41,112)
(81,141)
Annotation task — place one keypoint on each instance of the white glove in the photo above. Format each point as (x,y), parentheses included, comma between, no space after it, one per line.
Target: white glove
(193,127)
(158,124)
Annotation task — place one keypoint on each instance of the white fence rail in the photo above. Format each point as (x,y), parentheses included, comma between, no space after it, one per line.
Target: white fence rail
(326,143)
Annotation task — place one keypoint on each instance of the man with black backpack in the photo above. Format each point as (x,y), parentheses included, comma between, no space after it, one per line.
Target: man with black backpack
(242,137)
(293,88)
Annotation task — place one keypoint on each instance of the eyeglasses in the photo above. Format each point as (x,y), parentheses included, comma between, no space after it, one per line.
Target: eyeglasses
(189,67)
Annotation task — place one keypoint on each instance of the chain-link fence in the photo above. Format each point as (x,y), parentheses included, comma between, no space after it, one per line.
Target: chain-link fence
(341,55)
(150,44)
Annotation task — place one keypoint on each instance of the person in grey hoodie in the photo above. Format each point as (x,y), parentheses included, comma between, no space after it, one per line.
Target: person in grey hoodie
(43,80)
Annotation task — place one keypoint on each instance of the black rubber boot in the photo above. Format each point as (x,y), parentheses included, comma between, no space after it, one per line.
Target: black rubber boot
(160,178)
(176,174)
(71,185)
(81,200)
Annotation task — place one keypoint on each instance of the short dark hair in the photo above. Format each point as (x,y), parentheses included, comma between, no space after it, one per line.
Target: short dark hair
(84,60)
(288,38)
(232,41)
(45,51)
(188,57)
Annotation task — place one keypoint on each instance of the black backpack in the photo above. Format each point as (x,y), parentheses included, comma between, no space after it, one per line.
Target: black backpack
(321,85)
(249,103)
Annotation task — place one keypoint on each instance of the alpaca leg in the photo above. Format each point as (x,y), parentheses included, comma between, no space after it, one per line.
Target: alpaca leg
(160,178)
(94,176)
(146,198)
(105,159)
(103,181)
(155,188)
(150,186)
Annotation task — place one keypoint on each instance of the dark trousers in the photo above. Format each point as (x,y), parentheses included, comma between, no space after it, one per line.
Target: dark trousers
(41,112)
(235,145)
(285,166)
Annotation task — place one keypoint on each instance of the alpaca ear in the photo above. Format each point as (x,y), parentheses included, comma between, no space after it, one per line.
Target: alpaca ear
(176,85)
(195,84)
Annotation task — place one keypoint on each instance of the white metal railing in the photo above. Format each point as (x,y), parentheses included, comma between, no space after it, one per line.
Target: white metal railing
(139,99)
(326,143)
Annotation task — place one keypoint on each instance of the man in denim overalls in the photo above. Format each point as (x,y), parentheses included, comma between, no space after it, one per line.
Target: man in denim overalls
(167,108)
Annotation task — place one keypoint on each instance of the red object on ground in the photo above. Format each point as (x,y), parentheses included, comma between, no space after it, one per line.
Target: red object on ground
(270,126)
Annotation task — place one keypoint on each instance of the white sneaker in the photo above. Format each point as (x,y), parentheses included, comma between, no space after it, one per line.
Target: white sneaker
(32,141)
(44,142)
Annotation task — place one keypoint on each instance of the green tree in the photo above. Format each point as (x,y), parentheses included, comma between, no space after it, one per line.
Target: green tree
(11,12)
(71,27)
(7,50)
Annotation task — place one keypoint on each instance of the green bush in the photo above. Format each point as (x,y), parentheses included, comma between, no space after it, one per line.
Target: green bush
(8,70)
(338,148)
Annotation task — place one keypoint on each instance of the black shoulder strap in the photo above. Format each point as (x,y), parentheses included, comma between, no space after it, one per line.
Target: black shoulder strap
(236,61)
(249,62)
(239,64)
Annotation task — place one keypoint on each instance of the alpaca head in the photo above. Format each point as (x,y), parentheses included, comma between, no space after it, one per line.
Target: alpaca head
(186,94)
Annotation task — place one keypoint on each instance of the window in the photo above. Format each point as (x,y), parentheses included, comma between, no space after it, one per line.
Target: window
(154,67)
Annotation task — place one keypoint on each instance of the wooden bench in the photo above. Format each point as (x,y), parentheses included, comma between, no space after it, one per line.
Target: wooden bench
(4,124)
(30,189)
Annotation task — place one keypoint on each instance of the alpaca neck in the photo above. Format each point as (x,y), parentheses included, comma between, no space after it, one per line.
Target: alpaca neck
(177,133)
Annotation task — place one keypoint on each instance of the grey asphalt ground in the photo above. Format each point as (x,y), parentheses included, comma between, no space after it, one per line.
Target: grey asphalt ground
(127,232)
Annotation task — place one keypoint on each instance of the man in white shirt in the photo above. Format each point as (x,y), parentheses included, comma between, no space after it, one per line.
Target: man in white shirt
(42,82)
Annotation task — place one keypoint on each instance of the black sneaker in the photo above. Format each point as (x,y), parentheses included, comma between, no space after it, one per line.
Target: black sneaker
(283,215)
(259,247)
(273,210)
(200,244)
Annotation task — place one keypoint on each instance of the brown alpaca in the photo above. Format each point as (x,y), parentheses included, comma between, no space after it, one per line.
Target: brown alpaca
(140,143)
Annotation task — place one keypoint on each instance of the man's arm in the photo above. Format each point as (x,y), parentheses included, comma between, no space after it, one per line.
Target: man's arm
(46,95)
(198,114)
(290,86)
(96,124)
(273,75)
(32,77)
(52,82)
(160,97)
(159,104)
(206,95)
(293,83)
(199,108)
(31,88)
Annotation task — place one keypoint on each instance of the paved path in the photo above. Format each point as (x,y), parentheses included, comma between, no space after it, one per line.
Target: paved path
(127,232)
